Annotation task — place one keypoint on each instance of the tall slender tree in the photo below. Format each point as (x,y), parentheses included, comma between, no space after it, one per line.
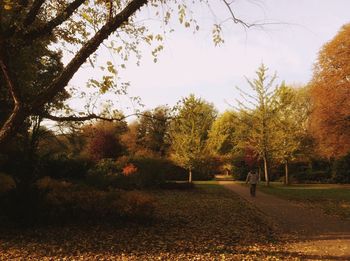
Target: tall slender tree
(289,126)
(257,116)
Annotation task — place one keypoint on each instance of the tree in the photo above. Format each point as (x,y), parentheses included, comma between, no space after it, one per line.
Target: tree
(103,140)
(290,125)
(257,118)
(330,93)
(221,138)
(153,128)
(129,138)
(24,26)
(189,131)
(80,26)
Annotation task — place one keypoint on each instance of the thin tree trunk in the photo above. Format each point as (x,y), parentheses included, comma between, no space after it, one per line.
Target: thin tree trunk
(267,180)
(190,175)
(286,178)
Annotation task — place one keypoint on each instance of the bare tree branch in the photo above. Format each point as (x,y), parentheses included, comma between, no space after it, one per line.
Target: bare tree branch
(234,18)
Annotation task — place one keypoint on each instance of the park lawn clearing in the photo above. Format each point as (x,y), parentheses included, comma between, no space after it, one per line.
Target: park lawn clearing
(206,223)
(332,198)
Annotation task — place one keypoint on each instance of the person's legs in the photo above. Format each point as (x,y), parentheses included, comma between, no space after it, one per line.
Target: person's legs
(252,190)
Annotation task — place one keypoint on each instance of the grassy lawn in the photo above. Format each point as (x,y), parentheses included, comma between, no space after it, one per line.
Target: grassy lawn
(333,199)
(206,223)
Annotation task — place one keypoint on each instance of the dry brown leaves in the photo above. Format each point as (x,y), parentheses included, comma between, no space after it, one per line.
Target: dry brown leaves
(207,223)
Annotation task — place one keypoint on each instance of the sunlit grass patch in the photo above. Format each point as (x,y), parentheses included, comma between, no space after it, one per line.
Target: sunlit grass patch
(332,198)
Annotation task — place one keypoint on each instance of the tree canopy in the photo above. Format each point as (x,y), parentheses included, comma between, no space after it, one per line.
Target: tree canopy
(189,131)
(258,116)
(330,89)
(78,27)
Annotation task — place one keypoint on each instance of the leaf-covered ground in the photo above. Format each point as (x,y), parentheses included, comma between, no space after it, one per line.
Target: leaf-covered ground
(207,223)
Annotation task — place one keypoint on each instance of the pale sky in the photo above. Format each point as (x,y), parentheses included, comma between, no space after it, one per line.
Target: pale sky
(191,64)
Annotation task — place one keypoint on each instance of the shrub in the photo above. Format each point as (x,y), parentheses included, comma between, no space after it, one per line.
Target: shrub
(129,169)
(311,177)
(240,169)
(107,173)
(22,205)
(91,204)
(52,201)
(341,170)
(150,172)
(48,183)
(6,183)
(63,167)
(105,167)
(137,172)
(206,167)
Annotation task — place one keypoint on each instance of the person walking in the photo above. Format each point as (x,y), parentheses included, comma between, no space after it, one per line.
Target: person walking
(253,180)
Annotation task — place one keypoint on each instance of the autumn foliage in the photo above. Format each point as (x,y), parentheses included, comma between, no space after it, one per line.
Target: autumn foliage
(129,169)
(330,91)
(103,142)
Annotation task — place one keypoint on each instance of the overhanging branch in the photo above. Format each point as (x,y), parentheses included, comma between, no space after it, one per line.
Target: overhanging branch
(47,28)
(34,10)
(94,116)
(83,118)
(89,48)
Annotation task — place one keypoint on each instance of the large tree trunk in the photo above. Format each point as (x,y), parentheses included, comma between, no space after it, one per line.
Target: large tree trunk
(267,179)
(286,177)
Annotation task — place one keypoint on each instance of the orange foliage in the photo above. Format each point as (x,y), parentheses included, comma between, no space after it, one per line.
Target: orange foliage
(330,91)
(129,169)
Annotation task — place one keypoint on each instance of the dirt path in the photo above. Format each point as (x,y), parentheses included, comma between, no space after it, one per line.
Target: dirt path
(313,233)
